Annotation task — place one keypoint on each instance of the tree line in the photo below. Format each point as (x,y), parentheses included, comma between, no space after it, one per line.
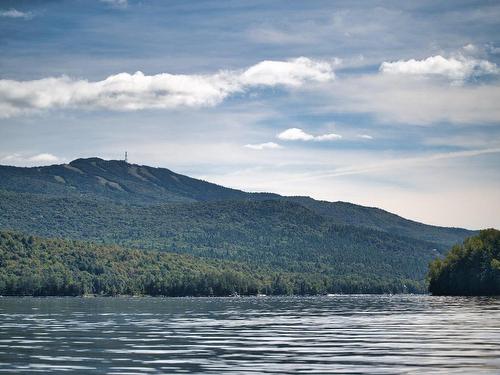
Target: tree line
(55,267)
(472,268)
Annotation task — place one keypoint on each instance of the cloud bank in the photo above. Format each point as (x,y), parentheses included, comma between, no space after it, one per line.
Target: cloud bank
(296,134)
(457,69)
(21,159)
(129,92)
(14,13)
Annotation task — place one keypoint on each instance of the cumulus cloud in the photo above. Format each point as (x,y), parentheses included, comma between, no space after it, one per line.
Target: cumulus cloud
(457,69)
(287,73)
(296,134)
(14,13)
(138,91)
(263,146)
(20,159)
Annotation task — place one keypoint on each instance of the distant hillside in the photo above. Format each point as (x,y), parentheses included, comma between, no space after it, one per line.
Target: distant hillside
(119,181)
(278,235)
(114,180)
(375,218)
(54,267)
(112,202)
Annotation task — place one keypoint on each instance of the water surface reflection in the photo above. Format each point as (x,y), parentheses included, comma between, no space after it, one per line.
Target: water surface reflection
(334,334)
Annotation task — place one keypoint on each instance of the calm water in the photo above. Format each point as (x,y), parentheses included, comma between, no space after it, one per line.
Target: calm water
(338,334)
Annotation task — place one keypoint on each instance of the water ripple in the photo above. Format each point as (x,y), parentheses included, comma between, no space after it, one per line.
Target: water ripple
(334,334)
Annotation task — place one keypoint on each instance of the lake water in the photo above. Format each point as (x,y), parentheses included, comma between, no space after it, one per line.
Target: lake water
(331,334)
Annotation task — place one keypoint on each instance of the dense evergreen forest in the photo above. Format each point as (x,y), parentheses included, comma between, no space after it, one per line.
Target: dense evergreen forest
(121,182)
(472,268)
(337,247)
(42,267)
(279,235)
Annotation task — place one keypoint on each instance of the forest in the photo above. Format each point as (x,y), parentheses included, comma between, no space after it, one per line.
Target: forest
(53,267)
(470,269)
(307,246)
(278,235)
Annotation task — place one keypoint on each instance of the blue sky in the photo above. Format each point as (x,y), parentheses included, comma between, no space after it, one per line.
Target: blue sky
(381,103)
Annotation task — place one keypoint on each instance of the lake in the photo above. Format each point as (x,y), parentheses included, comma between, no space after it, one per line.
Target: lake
(329,334)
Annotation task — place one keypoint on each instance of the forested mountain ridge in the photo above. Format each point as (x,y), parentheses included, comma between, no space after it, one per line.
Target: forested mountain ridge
(41,267)
(279,235)
(119,181)
(376,218)
(350,248)
(116,180)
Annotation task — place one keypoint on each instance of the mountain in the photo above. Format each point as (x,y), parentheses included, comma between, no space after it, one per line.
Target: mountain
(43,266)
(119,181)
(352,248)
(375,218)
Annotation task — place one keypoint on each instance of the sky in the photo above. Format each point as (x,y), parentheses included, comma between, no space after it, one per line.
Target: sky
(382,103)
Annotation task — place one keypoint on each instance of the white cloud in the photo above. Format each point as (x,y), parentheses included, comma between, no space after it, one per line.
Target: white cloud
(365,136)
(44,158)
(14,13)
(494,50)
(456,69)
(127,92)
(296,134)
(20,159)
(263,146)
(328,137)
(470,48)
(287,73)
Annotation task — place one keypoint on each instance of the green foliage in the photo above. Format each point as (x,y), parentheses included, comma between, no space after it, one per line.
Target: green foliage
(469,269)
(139,207)
(375,218)
(42,267)
(275,235)
(118,181)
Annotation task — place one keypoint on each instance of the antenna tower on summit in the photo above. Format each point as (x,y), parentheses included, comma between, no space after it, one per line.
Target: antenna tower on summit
(126,157)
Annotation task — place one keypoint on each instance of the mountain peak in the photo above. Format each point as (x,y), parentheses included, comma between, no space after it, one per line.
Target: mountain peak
(95,159)
(119,181)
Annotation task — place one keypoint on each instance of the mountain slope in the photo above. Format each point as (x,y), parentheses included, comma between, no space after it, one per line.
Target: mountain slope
(115,180)
(119,181)
(349,247)
(40,266)
(276,236)
(375,218)
(280,234)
